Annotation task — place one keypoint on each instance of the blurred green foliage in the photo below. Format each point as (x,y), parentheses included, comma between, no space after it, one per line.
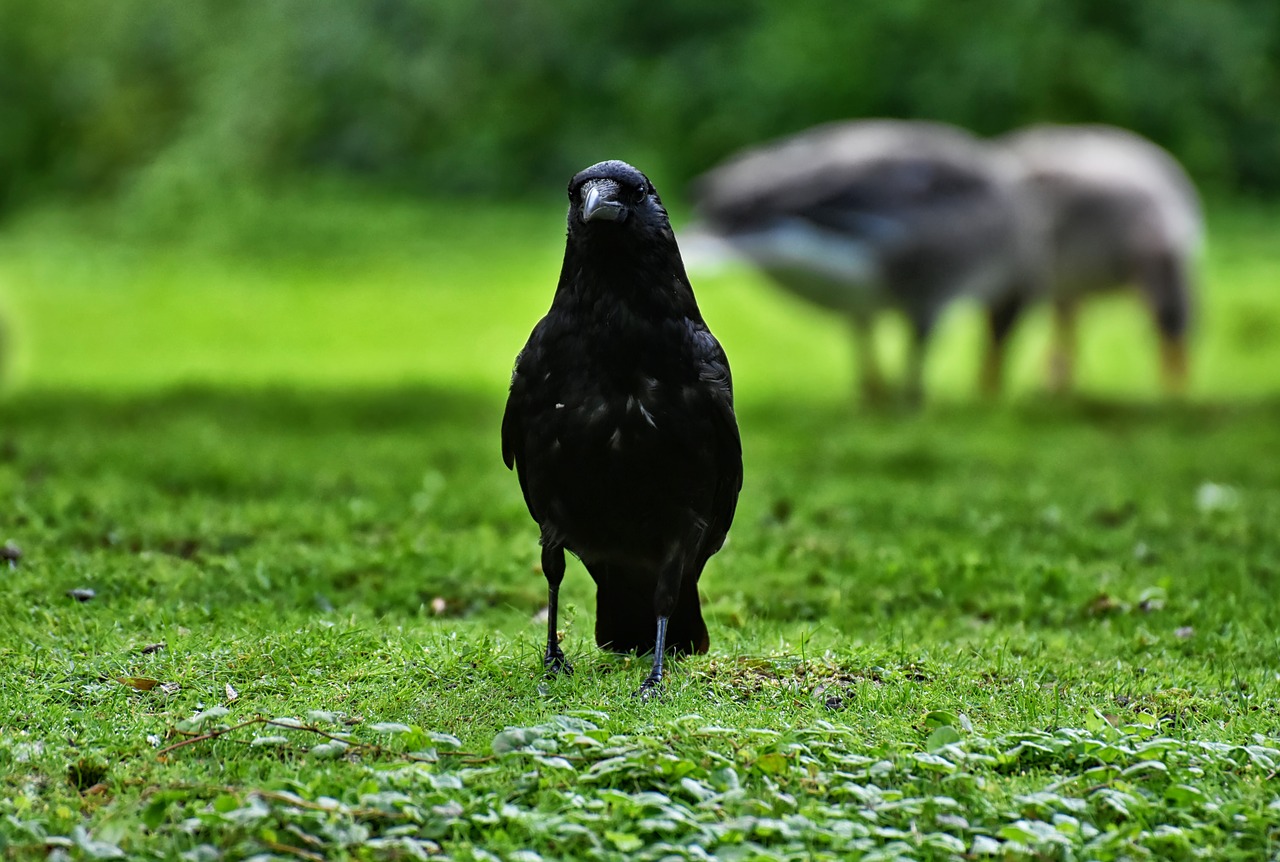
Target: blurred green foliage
(166,102)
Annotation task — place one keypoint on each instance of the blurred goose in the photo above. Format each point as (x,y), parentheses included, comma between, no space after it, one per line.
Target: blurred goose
(1120,211)
(867,215)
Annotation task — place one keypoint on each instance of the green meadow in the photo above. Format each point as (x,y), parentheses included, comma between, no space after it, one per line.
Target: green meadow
(268,591)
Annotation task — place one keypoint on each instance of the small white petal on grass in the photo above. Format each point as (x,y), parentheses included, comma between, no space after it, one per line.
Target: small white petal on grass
(1212,497)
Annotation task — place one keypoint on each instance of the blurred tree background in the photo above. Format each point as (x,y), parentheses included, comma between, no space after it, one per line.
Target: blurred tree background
(161,103)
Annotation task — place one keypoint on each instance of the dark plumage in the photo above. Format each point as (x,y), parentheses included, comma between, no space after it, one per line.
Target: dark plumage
(874,214)
(620,424)
(1120,211)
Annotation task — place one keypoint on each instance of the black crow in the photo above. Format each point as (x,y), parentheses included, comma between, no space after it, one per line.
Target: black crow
(859,216)
(620,424)
(1121,211)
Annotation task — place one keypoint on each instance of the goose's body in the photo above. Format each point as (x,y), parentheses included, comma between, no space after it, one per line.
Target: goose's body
(864,216)
(1120,211)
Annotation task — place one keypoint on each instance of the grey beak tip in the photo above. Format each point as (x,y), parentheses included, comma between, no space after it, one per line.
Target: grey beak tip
(596,206)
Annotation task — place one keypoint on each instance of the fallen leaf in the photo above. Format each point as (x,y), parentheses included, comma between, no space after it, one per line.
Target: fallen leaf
(232,694)
(1115,515)
(81,595)
(153,648)
(1103,604)
(141,683)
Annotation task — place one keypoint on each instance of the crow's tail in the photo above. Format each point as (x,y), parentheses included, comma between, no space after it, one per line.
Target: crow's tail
(626,621)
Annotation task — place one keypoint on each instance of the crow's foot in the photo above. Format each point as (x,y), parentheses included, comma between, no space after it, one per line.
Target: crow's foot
(650,689)
(556,663)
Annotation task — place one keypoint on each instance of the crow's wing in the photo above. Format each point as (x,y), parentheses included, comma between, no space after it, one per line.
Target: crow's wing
(514,436)
(717,383)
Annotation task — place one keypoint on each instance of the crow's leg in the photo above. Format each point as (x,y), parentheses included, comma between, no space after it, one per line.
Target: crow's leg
(1001,315)
(664,602)
(1062,356)
(649,688)
(553,567)
(864,345)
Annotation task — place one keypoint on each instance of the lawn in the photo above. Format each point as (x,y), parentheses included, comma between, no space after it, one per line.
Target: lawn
(274,594)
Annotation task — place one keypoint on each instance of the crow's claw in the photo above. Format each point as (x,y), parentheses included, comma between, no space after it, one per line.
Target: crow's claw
(650,689)
(556,663)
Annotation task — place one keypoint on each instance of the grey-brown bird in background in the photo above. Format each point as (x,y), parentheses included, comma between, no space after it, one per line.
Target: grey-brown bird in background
(620,424)
(863,216)
(1121,212)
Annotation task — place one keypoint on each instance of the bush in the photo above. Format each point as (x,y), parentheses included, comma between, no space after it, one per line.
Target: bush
(170,102)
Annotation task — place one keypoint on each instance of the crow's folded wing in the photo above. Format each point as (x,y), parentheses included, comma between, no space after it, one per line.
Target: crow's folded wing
(717,382)
(514,434)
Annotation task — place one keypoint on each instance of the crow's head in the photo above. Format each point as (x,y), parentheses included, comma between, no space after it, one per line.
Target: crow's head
(620,244)
(613,195)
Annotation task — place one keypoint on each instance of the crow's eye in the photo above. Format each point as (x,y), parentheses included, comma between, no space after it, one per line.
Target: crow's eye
(639,193)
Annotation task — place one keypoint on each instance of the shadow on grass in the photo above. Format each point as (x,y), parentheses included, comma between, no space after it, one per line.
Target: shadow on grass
(390,499)
(422,404)
(274,408)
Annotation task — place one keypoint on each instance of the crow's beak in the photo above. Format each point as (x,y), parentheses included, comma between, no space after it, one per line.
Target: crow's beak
(600,202)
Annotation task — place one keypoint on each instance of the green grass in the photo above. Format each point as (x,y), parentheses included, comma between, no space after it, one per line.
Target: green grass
(318,289)
(268,442)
